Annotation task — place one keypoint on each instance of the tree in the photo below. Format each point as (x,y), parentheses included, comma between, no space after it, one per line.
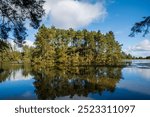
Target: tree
(10,54)
(14,14)
(148,57)
(4,50)
(44,50)
(69,47)
(5,45)
(141,27)
(27,54)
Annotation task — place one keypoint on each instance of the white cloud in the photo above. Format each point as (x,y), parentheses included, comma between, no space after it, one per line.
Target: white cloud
(15,46)
(118,32)
(140,49)
(29,43)
(140,87)
(73,14)
(145,73)
(142,46)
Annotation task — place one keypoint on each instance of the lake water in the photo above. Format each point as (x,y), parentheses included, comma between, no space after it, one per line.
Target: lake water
(77,83)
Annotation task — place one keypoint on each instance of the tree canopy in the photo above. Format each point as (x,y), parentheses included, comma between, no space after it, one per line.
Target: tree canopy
(141,27)
(14,14)
(60,47)
(69,47)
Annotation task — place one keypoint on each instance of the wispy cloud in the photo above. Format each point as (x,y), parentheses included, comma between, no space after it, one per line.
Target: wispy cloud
(142,46)
(73,14)
(118,32)
(140,49)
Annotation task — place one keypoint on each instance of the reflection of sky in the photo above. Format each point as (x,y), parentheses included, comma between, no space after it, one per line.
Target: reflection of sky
(22,88)
(136,79)
(140,61)
(143,72)
(17,75)
(135,85)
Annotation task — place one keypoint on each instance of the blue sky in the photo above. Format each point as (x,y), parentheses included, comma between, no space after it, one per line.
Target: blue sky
(122,14)
(105,15)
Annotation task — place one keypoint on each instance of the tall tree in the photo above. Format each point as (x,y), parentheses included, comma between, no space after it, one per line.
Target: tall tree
(27,54)
(70,47)
(14,14)
(44,51)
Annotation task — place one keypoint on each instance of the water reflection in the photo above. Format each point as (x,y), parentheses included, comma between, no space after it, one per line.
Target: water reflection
(15,72)
(80,81)
(55,83)
(136,79)
(6,70)
(26,82)
(144,73)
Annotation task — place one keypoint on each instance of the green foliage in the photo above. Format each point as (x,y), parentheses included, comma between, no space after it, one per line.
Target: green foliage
(14,13)
(127,56)
(69,47)
(44,52)
(141,27)
(27,54)
(9,54)
(61,47)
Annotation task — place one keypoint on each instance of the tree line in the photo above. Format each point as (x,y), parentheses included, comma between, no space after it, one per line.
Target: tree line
(68,47)
(62,46)
(71,47)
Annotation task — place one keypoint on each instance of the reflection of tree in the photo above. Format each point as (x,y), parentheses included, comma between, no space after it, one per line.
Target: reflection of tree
(79,81)
(59,82)
(6,71)
(26,69)
(4,75)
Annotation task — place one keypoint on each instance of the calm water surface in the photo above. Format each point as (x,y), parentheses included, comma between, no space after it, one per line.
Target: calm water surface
(77,83)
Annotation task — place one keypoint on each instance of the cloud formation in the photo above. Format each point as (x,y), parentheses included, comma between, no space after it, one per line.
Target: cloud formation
(140,49)
(15,47)
(73,14)
(142,46)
